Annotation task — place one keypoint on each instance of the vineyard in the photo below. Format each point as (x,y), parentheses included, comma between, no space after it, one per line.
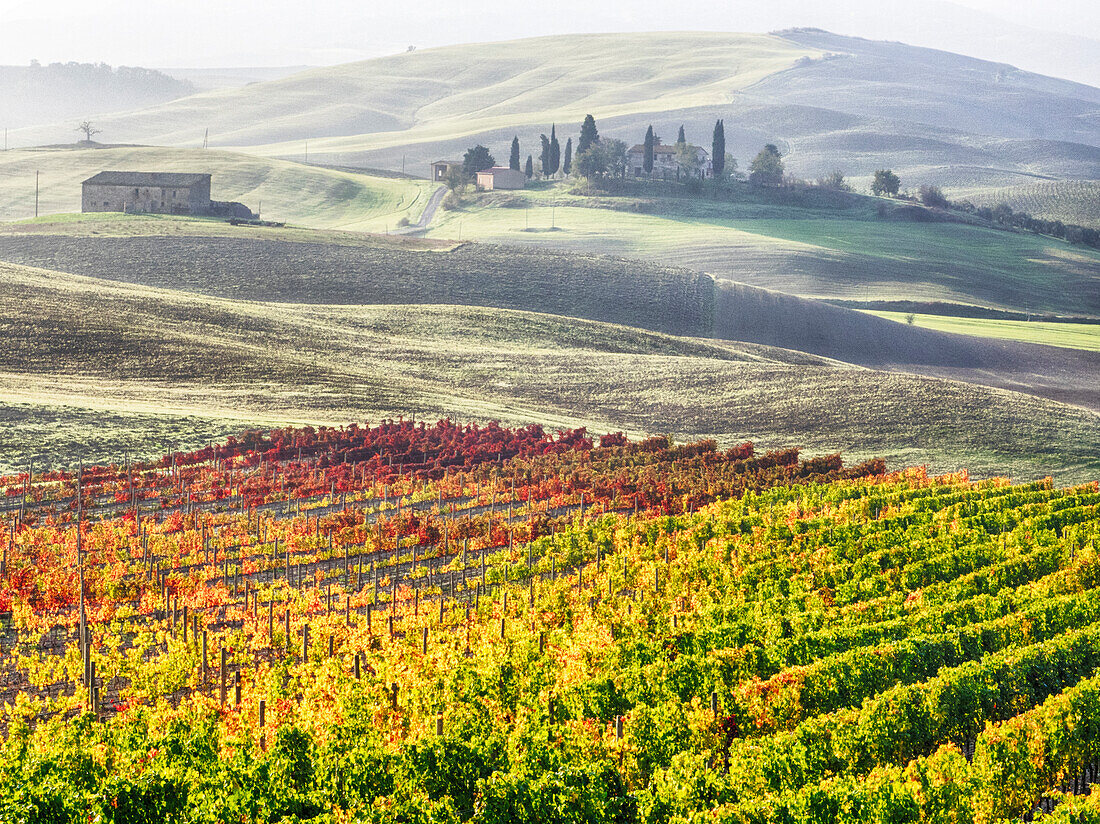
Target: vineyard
(1071,201)
(439,623)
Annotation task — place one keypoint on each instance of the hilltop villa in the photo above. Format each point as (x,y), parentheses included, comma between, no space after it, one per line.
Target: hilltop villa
(664,161)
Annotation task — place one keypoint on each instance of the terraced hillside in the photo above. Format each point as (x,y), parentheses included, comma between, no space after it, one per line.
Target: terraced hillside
(566,629)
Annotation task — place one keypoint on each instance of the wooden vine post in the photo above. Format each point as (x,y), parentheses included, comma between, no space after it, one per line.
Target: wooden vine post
(262,719)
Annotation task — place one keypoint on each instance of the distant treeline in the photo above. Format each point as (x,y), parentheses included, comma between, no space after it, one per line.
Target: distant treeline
(37,94)
(1003,215)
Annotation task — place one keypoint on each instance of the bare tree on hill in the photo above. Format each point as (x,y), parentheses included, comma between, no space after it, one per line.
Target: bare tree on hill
(88,129)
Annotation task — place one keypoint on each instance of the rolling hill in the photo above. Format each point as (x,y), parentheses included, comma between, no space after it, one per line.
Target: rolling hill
(34,94)
(676,301)
(152,366)
(812,244)
(877,641)
(827,100)
(283,191)
(654,312)
(463,90)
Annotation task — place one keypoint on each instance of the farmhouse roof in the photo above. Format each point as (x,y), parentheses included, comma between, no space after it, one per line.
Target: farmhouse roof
(180,179)
(448,162)
(497,169)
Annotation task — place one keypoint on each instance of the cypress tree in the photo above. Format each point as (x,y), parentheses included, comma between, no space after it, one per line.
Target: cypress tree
(647,162)
(589,135)
(555,150)
(530,170)
(513,159)
(567,164)
(680,137)
(544,158)
(718,149)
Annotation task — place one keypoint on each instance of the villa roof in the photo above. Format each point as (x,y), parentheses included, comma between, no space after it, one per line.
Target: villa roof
(662,148)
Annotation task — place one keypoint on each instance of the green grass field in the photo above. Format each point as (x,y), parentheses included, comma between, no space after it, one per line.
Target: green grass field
(847,254)
(1070,335)
(115,225)
(281,190)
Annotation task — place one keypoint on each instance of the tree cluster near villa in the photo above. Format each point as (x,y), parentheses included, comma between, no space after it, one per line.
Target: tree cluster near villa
(604,163)
(606,159)
(599,158)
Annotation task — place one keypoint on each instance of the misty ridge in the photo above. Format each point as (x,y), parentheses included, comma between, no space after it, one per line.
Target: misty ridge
(36,93)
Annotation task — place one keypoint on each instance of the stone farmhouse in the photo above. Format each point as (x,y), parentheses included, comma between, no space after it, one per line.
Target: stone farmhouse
(169,193)
(665,165)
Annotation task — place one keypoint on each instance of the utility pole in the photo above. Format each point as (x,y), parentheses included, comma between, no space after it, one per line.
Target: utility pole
(36,193)
(206,138)
(307,151)
(402,156)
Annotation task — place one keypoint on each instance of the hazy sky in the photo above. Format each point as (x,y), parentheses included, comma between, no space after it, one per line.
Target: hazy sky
(200,33)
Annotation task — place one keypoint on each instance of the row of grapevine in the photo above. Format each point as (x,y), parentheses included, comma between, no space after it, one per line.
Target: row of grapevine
(561,629)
